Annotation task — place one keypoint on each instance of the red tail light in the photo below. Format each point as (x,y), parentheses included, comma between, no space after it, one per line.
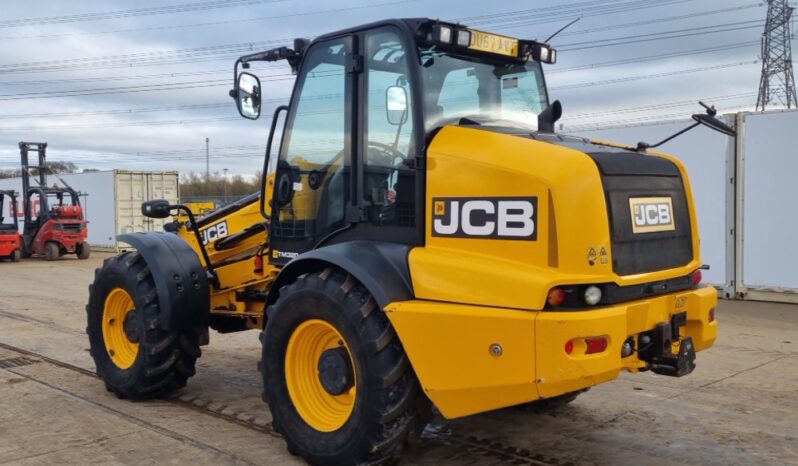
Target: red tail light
(258,264)
(595,345)
(711,315)
(695,277)
(569,347)
(556,297)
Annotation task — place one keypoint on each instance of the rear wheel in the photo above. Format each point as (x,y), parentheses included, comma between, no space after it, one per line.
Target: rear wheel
(52,251)
(134,356)
(16,255)
(83,250)
(336,377)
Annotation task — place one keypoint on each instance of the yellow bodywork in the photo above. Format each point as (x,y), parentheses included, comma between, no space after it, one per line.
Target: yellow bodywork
(475,293)
(451,347)
(477,334)
(237,267)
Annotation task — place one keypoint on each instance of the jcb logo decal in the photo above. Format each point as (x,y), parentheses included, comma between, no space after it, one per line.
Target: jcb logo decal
(214,232)
(490,217)
(650,214)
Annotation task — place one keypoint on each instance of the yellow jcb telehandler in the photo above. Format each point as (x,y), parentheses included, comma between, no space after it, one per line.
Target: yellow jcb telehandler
(422,239)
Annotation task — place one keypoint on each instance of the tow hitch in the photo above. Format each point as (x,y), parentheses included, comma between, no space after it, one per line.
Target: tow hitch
(655,348)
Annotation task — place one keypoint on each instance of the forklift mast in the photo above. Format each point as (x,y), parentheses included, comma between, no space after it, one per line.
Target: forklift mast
(41,149)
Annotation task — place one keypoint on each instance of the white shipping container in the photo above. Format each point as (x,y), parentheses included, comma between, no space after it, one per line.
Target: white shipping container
(112,200)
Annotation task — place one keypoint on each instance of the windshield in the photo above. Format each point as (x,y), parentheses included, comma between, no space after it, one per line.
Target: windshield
(481,91)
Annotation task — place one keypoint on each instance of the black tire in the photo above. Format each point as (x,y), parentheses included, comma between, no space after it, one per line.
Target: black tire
(552,404)
(165,360)
(389,412)
(16,255)
(52,251)
(83,251)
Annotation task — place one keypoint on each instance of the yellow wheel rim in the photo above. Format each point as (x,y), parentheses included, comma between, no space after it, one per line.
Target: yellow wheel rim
(122,351)
(320,409)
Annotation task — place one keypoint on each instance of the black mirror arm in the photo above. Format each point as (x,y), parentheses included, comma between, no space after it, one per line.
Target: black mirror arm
(267,159)
(642,146)
(212,275)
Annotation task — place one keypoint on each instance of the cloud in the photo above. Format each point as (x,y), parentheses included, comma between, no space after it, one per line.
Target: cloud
(112,140)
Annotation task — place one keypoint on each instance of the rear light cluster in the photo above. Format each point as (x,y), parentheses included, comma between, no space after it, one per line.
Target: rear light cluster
(695,277)
(589,295)
(575,296)
(588,345)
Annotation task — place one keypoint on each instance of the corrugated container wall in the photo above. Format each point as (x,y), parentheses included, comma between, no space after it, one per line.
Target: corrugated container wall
(112,200)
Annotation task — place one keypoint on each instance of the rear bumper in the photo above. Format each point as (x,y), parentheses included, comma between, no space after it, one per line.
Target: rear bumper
(9,244)
(471,359)
(559,372)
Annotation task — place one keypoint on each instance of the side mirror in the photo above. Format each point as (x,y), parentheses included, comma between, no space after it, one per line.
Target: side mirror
(157,208)
(396,105)
(708,119)
(247,95)
(549,116)
(713,123)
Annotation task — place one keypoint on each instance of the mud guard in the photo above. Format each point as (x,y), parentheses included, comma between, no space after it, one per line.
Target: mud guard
(380,266)
(180,278)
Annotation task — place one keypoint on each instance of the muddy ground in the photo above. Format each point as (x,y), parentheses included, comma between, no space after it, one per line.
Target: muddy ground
(737,408)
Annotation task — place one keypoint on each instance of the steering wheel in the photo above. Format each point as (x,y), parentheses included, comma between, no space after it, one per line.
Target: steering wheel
(388,156)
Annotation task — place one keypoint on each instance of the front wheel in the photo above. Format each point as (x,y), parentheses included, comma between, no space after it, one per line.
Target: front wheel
(16,255)
(134,356)
(83,251)
(337,380)
(52,251)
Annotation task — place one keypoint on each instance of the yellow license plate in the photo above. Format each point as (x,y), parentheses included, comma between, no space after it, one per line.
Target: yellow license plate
(493,43)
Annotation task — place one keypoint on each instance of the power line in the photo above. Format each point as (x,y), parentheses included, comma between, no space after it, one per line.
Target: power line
(663,119)
(210,23)
(675,34)
(662,56)
(652,76)
(646,108)
(150,11)
(186,55)
(275,100)
(668,19)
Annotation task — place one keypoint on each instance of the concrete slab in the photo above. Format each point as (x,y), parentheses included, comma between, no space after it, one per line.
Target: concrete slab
(736,408)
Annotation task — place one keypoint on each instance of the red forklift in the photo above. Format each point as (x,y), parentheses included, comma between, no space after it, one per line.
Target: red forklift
(10,240)
(54,222)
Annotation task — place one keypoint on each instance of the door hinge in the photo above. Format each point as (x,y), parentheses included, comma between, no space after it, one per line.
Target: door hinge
(416,163)
(355,64)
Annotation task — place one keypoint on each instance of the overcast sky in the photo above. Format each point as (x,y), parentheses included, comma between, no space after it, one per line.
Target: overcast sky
(146,82)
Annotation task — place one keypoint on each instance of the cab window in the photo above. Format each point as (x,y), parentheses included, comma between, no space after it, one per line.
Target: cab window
(389,183)
(312,174)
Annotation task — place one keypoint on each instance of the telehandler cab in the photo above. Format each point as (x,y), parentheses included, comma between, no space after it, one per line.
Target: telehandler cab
(422,239)
(10,240)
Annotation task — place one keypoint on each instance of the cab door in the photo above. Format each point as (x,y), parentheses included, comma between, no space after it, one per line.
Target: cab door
(313,179)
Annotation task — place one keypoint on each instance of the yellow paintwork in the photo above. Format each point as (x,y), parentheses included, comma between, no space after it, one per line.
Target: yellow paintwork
(199,209)
(236,267)
(321,410)
(572,220)
(474,293)
(449,346)
(122,351)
